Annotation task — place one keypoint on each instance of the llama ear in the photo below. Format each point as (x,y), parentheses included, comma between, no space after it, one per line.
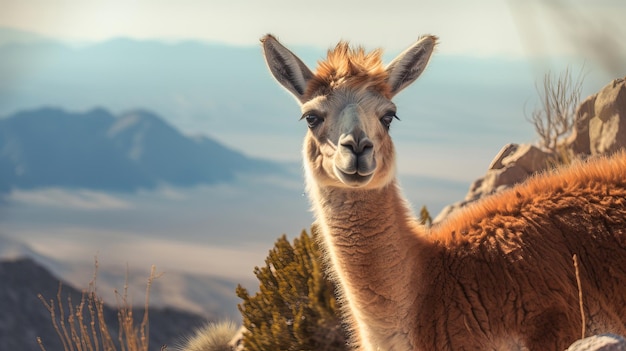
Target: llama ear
(410,64)
(286,67)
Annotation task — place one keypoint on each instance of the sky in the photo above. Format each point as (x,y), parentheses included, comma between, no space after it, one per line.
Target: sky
(476,28)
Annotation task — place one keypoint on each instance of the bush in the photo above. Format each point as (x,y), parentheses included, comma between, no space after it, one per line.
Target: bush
(554,119)
(295,308)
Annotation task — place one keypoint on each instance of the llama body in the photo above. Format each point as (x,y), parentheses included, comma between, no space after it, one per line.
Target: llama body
(496,276)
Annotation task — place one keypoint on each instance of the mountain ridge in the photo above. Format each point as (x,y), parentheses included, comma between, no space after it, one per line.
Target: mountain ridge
(50,147)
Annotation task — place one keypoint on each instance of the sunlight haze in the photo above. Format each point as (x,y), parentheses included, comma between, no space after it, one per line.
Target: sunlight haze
(476,28)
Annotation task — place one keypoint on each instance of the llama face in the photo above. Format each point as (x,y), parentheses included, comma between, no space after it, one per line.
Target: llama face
(347,106)
(348,142)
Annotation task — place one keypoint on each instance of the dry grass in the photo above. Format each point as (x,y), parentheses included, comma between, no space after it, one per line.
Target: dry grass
(84,328)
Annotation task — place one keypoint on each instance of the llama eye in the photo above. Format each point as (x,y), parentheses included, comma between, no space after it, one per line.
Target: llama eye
(313,120)
(388,118)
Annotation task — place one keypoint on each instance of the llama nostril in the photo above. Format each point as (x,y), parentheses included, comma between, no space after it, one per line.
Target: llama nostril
(351,144)
(357,146)
(366,144)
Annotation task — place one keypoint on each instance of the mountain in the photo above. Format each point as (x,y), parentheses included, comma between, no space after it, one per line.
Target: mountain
(52,147)
(24,316)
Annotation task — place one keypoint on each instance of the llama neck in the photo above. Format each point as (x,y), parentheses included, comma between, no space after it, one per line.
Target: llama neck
(373,243)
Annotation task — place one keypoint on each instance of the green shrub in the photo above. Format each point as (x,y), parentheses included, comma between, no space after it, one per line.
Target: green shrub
(295,308)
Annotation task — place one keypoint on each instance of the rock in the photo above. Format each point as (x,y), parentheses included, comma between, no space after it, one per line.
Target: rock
(505,152)
(578,141)
(530,159)
(497,178)
(600,125)
(512,165)
(602,342)
(607,129)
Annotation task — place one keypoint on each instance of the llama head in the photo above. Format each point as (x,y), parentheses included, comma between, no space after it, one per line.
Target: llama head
(347,106)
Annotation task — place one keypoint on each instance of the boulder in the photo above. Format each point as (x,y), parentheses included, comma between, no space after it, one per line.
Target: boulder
(578,141)
(600,125)
(528,158)
(607,129)
(512,165)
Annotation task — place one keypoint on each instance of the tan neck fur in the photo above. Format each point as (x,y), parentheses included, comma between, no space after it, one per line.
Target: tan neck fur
(373,244)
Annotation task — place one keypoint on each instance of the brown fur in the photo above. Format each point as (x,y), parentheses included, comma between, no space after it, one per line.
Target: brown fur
(509,260)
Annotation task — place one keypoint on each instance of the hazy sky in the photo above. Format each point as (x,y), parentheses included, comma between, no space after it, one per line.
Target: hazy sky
(477,28)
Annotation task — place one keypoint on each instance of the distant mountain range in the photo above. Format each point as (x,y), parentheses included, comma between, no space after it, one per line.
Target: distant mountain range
(51,147)
(24,317)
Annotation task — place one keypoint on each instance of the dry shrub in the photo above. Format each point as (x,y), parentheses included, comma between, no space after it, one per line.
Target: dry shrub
(554,119)
(84,327)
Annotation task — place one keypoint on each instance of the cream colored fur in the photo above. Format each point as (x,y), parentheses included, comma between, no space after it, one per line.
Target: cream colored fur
(498,275)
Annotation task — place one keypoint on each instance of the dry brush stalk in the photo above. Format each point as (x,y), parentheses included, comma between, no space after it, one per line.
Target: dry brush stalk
(554,119)
(87,330)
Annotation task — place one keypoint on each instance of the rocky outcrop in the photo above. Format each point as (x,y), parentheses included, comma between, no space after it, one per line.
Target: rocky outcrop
(599,128)
(512,165)
(579,141)
(601,121)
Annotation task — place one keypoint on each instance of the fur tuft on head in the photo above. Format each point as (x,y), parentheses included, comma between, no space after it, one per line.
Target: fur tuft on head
(350,67)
